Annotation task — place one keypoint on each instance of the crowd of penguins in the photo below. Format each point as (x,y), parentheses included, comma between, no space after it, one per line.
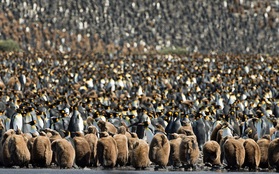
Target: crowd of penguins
(162,111)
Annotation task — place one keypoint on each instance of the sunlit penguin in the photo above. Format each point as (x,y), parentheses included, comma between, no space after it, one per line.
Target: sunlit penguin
(92,139)
(107,150)
(264,144)
(41,151)
(159,150)
(122,146)
(28,122)
(17,120)
(260,124)
(252,154)
(64,153)
(82,149)
(189,152)
(139,155)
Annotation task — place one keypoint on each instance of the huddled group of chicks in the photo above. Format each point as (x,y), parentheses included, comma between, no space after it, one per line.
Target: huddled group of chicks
(90,110)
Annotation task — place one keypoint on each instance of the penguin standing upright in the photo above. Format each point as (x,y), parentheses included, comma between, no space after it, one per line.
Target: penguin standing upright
(122,146)
(76,123)
(64,153)
(82,149)
(189,152)
(263,144)
(199,130)
(159,150)
(92,139)
(174,159)
(107,150)
(17,121)
(41,151)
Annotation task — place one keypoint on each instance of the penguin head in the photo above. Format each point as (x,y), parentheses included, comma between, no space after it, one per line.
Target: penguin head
(32,123)
(104,134)
(176,114)
(169,113)
(55,119)
(92,129)
(259,114)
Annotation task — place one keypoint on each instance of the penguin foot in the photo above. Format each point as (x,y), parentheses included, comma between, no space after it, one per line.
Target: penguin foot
(75,166)
(208,164)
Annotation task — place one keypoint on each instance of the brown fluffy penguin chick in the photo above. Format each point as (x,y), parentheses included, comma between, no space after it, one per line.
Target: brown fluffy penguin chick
(139,155)
(41,151)
(64,153)
(54,135)
(159,150)
(92,139)
(263,144)
(252,154)
(20,154)
(186,128)
(214,133)
(107,150)
(131,142)
(30,143)
(122,146)
(82,149)
(107,127)
(273,154)
(174,150)
(6,156)
(189,152)
(211,154)
(234,153)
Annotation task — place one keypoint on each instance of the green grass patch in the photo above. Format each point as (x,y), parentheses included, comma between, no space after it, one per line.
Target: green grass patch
(174,51)
(9,45)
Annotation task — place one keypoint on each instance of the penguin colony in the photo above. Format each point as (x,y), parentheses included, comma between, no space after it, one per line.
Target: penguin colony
(191,112)
(236,26)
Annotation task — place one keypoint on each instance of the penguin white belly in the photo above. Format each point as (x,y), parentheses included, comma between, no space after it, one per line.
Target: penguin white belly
(40,122)
(148,135)
(80,124)
(27,127)
(18,122)
(258,126)
(215,124)
(7,123)
(33,130)
(227,132)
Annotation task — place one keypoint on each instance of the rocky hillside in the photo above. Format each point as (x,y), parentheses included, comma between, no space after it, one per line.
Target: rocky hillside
(236,26)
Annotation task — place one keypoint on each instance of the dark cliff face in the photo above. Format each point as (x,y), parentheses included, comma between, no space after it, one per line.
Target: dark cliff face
(221,25)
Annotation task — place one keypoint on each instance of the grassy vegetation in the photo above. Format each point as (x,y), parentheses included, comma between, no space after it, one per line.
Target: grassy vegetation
(175,51)
(9,45)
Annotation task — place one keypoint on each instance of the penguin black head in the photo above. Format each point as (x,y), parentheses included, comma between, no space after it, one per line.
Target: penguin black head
(66,133)
(32,123)
(54,119)
(104,134)
(259,114)
(169,113)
